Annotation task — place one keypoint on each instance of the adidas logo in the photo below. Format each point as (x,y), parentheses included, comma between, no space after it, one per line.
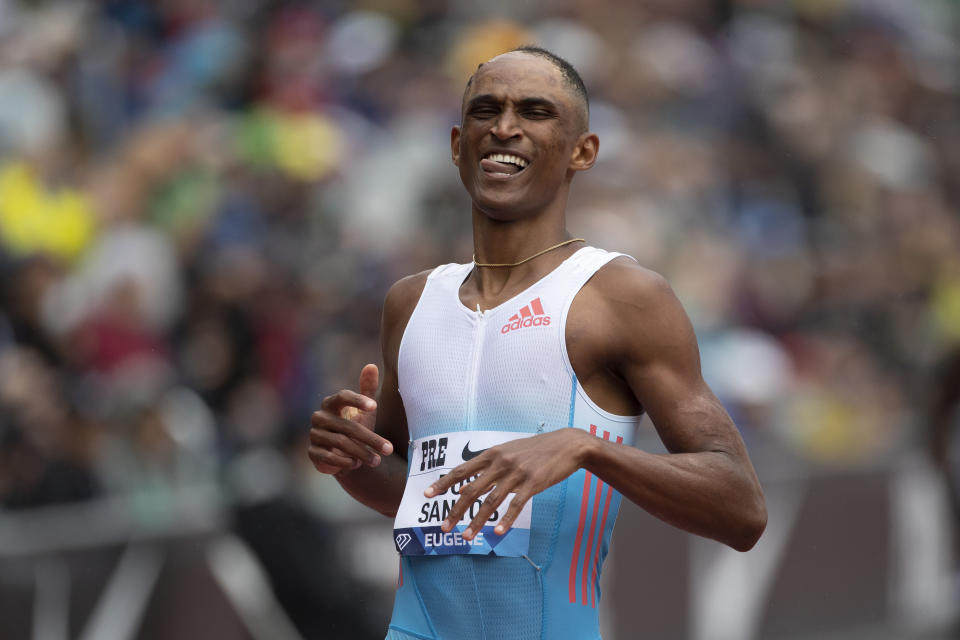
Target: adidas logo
(532,315)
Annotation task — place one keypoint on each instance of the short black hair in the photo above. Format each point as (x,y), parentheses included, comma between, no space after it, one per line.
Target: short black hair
(566,69)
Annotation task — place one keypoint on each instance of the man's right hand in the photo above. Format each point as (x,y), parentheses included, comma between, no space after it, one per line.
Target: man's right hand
(341,432)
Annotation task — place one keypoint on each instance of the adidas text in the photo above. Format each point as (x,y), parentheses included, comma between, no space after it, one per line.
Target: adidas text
(525,322)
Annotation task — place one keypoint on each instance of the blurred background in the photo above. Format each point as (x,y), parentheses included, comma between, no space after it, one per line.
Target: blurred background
(202,204)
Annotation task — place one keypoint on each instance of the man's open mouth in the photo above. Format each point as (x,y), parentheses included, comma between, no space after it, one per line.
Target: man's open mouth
(503,164)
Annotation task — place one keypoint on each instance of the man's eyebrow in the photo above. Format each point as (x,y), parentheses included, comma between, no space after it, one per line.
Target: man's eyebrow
(484,98)
(487,98)
(537,102)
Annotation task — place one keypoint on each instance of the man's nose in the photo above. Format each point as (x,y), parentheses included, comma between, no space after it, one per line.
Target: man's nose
(506,126)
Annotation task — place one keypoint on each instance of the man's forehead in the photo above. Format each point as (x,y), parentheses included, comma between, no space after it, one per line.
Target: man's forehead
(520,58)
(519,69)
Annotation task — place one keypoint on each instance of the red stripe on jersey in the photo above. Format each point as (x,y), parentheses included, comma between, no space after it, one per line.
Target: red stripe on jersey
(575,558)
(537,307)
(525,312)
(593,525)
(596,559)
(603,526)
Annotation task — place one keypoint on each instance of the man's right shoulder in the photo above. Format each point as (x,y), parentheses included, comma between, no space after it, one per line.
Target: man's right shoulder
(398,306)
(403,295)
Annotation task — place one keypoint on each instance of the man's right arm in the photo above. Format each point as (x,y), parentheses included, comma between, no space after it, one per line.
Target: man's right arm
(362,444)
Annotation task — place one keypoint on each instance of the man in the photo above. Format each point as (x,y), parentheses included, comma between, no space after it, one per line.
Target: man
(515,384)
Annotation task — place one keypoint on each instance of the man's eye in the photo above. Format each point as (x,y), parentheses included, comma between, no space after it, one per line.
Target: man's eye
(537,114)
(483,112)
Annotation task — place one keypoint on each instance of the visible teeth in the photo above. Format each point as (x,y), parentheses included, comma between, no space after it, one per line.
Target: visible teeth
(506,157)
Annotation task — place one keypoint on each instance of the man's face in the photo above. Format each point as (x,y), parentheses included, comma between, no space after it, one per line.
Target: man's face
(521,138)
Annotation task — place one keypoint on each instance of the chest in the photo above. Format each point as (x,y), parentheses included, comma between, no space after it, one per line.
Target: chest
(505,368)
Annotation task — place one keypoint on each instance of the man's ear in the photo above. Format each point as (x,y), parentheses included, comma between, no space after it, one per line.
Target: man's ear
(455,146)
(585,152)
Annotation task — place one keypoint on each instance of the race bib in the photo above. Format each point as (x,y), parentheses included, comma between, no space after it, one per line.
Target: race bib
(416,531)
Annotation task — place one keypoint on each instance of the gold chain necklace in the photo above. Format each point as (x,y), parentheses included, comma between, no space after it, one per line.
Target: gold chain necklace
(517,264)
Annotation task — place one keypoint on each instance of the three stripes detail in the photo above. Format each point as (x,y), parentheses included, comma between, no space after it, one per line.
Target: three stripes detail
(591,551)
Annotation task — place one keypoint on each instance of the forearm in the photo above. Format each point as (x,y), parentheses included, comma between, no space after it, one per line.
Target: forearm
(709,493)
(380,487)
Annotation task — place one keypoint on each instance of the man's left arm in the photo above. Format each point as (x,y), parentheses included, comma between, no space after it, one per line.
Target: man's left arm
(705,484)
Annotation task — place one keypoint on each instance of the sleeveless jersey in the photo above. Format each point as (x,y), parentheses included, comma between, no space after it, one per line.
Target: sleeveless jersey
(507,369)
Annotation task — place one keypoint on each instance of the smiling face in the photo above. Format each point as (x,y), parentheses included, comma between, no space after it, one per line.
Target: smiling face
(522,139)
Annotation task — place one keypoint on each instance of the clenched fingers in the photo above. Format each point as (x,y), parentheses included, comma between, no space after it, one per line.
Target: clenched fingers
(330,429)
(340,444)
(331,461)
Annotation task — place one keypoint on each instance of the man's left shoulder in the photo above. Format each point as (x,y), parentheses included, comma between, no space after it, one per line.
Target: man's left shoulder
(629,312)
(623,282)
(624,312)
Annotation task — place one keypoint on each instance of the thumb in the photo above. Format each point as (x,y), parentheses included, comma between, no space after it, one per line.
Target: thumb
(369,380)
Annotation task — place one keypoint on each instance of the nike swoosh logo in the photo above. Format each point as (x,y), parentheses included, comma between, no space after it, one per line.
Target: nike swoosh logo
(470,455)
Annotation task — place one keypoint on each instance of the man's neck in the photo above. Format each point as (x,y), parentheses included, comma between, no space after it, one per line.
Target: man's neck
(497,242)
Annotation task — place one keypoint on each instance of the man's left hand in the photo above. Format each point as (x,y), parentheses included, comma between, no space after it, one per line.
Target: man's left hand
(523,467)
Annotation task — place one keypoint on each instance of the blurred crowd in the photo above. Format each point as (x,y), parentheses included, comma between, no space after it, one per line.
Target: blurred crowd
(202,204)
